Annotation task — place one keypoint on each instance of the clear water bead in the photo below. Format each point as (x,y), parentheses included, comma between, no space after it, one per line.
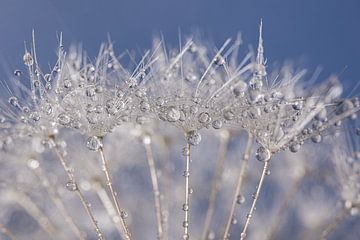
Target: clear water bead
(204,117)
(28,59)
(71,186)
(316,138)
(240,199)
(64,119)
(193,138)
(357,131)
(33,163)
(17,72)
(217,124)
(263,154)
(94,143)
(294,147)
(172,114)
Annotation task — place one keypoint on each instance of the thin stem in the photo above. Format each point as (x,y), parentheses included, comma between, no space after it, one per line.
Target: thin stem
(255,198)
(35,212)
(186,206)
(166,174)
(121,212)
(333,225)
(58,202)
(240,180)
(7,232)
(155,185)
(107,203)
(79,193)
(224,140)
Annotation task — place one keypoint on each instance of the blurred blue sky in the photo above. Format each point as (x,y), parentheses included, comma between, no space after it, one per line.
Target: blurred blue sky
(321,32)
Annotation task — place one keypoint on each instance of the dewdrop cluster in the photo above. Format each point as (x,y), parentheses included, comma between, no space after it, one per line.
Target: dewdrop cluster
(187,89)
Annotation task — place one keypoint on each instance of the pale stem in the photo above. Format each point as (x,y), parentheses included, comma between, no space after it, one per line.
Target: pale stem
(79,193)
(186,206)
(50,188)
(155,185)
(108,205)
(255,198)
(35,212)
(239,183)
(333,225)
(224,140)
(167,183)
(284,206)
(120,212)
(7,232)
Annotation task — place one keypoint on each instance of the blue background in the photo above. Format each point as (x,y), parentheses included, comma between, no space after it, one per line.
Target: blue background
(314,32)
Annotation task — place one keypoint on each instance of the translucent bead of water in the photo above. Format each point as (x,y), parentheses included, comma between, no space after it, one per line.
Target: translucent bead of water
(94,143)
(193,138)
(172,114)
(263,154)
(28,59)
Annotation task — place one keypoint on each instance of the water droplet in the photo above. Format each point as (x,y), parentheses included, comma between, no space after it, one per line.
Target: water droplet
(263,154)
(64,119)
(17,72)
(357,131)
(141,119)
(219,60)
(144,106)
(47,77)
(255,83)
(172,114)
(186,237)
(67,84)
(185,224)
(71,186)
(240,199)
(193,138)
(316,138)
(204,117)
(185,207)
(229,115)
(185,151)
(94,143)
(233,220)
(33,163)
(123,214)
(217,124)
(294,147)
(14,101)
(28,59)
(297,106)
(35,116)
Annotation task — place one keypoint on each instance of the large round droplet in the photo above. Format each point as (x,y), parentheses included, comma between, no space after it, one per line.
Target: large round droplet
(204,117)
(217,124)
(17,72)
(263,154)
(64,119)
(94,143)
(28,59)
(71,186)
(172,114)
(294,147)
(316,138)
(240,199)
(229,115)
(193,138)
(14,101)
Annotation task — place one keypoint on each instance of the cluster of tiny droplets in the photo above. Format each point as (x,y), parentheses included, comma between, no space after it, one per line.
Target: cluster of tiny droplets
(188,88)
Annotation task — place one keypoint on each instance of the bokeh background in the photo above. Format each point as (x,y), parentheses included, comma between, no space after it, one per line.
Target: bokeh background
(322,33)
(311,33)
